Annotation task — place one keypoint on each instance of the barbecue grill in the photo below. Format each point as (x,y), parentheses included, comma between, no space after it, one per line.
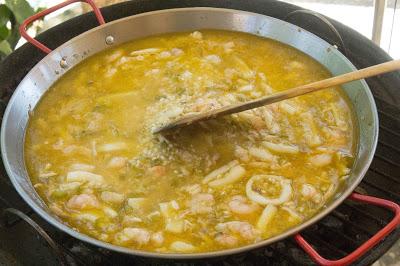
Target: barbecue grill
(336,235)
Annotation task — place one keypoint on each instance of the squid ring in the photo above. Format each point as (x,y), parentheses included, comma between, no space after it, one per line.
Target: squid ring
(286,191)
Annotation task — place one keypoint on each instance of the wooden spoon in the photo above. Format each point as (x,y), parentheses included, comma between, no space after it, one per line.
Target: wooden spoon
(283,95)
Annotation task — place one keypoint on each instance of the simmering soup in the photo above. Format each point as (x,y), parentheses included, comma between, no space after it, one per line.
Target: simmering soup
(219,184)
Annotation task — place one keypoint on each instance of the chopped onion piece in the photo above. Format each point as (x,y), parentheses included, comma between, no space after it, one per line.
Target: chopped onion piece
(114,56)
(222,170)
(241,154)
(135,203)
(46,175)
(157,239)
(332,188)
(130,220)
(196,35)
(261,154)
(93,146)
(281,148)
(321,160)
(266,216)
(181,246)
(288,108)
(90,217)
(215,59)
(70,186)
(83,176)
(234,174)
(164,54)
(116,146)
(110,212)
(174,226)
(145,51)
(82,167)
(138,235)
(168,208)
(117,162)
(112,197)
(293,213)
(285,195)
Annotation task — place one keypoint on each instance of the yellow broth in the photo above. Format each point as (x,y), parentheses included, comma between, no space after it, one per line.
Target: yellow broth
(215,185)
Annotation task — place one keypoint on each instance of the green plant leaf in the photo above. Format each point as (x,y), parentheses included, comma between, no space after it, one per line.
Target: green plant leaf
(14,36)
(21,9)
(4,32)
(5,48)
(5,15)
(39,9)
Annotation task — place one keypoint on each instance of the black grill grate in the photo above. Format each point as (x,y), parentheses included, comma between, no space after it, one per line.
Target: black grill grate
(336,235)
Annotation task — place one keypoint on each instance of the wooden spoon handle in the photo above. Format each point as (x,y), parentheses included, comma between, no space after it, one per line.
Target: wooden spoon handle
(304,89)
(287,94)
(355,75)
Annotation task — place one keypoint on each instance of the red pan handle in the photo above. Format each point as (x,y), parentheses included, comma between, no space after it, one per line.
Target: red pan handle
(24,25)
(356,254)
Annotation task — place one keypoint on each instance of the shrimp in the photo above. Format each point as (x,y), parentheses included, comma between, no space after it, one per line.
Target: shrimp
(117,162)
(157,239)
(244,229)
(321,160)
(181,246)
(83,201)
(157,171)
(240,205)
(92,180)
(202,203)
(226,240)
(137,235)
(241,154)
(310,192)
(112,197)
(130,220)
(192,189)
